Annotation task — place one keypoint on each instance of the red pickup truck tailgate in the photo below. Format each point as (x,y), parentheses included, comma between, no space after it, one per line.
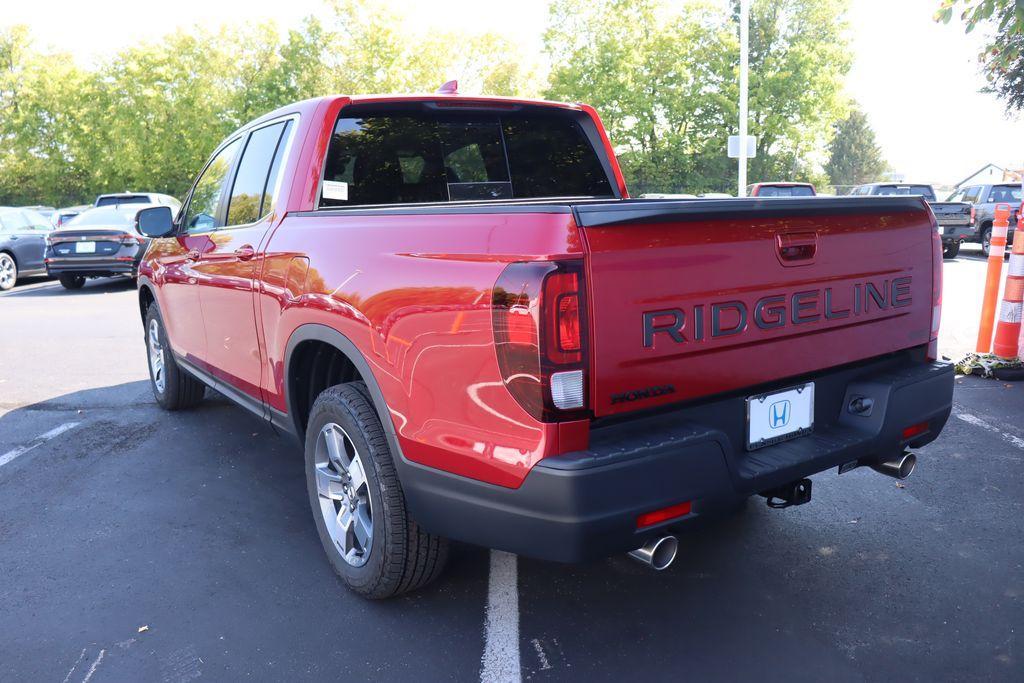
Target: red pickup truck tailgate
(701,297)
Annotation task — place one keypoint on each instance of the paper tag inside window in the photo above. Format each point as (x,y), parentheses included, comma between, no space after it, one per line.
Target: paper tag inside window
(336,190)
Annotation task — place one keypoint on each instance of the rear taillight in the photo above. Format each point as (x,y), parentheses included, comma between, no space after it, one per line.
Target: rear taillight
(130,239)
(933,340)
(540,337)
(972,215)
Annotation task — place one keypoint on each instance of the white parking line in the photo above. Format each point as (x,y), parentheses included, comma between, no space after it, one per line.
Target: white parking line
(501,635)
(38,441)
(978,422)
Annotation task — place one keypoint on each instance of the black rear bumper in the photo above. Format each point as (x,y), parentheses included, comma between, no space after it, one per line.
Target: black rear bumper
(585,504)
(101,267)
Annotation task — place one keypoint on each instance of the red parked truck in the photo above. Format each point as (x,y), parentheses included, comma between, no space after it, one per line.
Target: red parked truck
(477,335)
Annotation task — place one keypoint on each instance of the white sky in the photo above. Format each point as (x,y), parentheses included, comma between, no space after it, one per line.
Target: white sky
(918,81)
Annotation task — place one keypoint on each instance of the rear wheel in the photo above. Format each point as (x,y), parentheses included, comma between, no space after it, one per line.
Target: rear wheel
(173,388)
(69,281)
(950,249)
(357,500)
(8,272)
(986,240)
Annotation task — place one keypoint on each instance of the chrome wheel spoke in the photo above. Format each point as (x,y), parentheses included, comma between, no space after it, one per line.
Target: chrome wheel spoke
(329,484)
(362,526)
(358,476)
(156,356)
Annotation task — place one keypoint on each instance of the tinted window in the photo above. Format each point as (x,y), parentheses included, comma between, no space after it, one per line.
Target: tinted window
(36,220)
(1005,193)
(13,221)
(248,192)
(793,191)
(924,190)
(114,201)
(104,216)
(972,193)
(392,158)
(202,208)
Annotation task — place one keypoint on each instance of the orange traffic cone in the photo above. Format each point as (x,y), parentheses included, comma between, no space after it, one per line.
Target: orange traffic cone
(997,248)
(1008,328)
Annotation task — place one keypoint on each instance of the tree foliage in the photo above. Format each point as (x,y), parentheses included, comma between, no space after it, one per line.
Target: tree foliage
(663,75)
(665,78)
(1002,61)
(854,156)
(148,117)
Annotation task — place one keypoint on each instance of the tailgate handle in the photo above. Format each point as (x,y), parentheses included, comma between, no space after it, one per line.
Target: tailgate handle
(796,247)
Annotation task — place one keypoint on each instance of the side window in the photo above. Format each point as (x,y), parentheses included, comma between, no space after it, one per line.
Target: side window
(250,195)
(957,196)
(201,214)
(971,194)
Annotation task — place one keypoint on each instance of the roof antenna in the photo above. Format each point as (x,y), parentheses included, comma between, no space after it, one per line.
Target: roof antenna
(449,88)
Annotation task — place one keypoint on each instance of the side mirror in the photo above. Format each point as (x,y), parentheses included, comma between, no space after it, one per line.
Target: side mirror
(156,221)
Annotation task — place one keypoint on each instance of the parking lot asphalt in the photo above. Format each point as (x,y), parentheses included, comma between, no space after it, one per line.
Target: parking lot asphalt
(141,545)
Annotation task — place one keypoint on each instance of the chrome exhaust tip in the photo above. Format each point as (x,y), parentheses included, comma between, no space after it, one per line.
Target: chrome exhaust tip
(900,468)
(657,554)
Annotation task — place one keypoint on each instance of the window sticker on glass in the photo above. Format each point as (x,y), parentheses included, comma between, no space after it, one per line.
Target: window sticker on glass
(336,190)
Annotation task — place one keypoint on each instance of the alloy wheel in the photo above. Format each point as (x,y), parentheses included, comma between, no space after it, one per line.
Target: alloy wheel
(156,356)
(8,272)
(344,494)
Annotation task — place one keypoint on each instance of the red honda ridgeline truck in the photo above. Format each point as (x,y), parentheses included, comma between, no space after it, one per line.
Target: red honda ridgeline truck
(475,333)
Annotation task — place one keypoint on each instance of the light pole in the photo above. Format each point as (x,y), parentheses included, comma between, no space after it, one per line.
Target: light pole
(744,26)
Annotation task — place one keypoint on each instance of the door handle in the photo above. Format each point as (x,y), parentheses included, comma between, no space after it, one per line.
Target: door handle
(245,252)
(192,255)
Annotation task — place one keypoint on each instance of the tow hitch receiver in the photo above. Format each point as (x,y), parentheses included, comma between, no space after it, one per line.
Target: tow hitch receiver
(794,493)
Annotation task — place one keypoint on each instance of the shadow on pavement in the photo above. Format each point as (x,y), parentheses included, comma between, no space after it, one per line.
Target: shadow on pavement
(197,525)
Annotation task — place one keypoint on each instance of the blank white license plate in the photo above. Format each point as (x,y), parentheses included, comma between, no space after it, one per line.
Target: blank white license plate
(782,415)
(85,247)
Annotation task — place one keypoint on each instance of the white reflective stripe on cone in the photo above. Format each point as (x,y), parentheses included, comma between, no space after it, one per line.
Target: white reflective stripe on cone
(999,230)
(996,250)
(1010,311)
(1016,265)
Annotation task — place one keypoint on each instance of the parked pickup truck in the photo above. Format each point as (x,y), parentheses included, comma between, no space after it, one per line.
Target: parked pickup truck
(781,190)
(955,218)
(476,334)
(983,200)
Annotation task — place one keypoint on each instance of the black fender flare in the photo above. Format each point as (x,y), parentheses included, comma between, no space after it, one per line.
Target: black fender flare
(330,336)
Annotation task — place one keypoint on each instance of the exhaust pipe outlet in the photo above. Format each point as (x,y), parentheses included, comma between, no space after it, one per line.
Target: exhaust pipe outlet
(900,468)
(657,554)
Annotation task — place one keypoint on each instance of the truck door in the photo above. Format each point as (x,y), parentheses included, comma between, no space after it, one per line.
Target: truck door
(229,266)
(180,257)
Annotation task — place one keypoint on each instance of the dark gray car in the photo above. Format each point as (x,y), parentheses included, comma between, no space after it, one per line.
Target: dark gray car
(100,242)
(22,244)
(983,199)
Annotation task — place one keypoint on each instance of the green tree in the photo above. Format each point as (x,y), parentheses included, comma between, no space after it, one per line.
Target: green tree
(854,156)
(1002,61)
(148,117)
(665,78)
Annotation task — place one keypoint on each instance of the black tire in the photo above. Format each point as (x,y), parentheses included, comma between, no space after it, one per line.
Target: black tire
(69,281)
(986,239)
(402,557)
(180,390)
(950,249)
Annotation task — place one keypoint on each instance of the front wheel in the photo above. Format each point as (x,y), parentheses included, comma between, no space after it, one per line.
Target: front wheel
(357,500)
(950,249)
(173,388)
(8,272)
(69,281)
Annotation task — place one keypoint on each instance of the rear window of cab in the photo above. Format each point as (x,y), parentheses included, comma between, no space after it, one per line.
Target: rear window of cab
(411,157)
